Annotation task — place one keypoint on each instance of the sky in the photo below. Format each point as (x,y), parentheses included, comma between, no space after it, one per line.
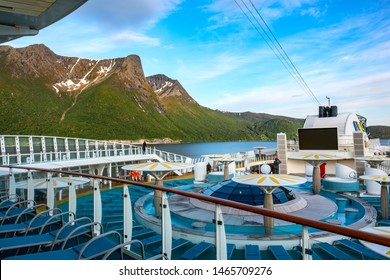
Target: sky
(225,55)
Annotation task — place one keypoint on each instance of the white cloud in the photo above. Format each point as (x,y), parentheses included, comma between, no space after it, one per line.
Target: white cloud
(270,9)
(133,14)
(219,66)
(312,11)
(136,38)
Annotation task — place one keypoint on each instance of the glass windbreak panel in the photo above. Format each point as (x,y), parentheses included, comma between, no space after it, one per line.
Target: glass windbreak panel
(72,144)
(49,143)
(4,184)
(61,144)
(24,145)
(10,146)
(37,144)
(38,157)
(110,147)
(81,145)
(92,145)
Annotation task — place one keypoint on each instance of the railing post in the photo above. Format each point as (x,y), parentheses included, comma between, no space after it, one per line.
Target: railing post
(49,191)
(72,199)
(127,216)
(220,235)
(17,147)
(305,243)
(30,189)
(97,205)
(109,173)
(166,227)
(12,189)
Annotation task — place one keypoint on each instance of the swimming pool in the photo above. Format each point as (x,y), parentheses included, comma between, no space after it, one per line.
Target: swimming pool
(239,229)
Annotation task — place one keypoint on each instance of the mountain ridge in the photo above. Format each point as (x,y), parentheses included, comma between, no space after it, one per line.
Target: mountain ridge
(49,94)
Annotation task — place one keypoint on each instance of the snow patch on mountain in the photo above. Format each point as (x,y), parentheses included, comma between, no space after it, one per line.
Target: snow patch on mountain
(90,76)
(166,84)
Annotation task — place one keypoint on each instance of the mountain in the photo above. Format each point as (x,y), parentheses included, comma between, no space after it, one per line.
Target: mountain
(42,93)
(379,131)
(166,88)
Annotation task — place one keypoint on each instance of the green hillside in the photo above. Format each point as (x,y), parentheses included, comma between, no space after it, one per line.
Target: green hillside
(379,131)
(106,111)
(28,107)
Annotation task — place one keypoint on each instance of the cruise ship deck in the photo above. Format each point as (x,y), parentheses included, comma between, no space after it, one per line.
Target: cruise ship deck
(194,223)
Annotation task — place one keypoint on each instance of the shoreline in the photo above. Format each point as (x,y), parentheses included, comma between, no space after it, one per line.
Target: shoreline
(149,142)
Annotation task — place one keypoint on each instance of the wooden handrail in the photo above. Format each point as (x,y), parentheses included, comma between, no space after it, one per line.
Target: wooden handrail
(358,234)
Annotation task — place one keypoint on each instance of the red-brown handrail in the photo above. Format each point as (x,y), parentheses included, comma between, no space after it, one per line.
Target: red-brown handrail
(370,237)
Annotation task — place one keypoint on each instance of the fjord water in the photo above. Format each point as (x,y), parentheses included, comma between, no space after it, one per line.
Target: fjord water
(195,150)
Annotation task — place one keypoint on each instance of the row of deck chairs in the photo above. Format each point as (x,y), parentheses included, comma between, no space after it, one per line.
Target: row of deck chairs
(30,231)
(344,249)
(13,209)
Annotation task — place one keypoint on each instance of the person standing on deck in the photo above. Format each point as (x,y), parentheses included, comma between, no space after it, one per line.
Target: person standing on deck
(277,162)
(208,168)
(144,147)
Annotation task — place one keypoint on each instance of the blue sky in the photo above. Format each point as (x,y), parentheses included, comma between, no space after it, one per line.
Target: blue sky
(341,49)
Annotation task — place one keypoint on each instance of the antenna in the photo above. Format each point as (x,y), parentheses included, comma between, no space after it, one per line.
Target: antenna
(328,100)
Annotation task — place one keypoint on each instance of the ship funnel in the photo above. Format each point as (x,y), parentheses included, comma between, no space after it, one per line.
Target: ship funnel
(327,111)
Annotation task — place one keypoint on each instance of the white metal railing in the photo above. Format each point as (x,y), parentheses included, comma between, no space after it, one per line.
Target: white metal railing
(304,239)
(21,149)
(384,167)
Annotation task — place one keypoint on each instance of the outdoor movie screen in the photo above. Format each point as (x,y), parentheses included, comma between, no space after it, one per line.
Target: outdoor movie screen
(318,138)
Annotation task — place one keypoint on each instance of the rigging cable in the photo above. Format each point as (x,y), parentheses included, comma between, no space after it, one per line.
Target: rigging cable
(280,52)
(276,40)
(277,56)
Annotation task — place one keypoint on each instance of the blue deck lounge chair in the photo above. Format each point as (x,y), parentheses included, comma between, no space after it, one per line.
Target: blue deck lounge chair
(16,210)
(279,252)
(32,243)
(195,251)
(102,246)
(358,249)
(7,200)
(332,251)
(252,252)
(47,218)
